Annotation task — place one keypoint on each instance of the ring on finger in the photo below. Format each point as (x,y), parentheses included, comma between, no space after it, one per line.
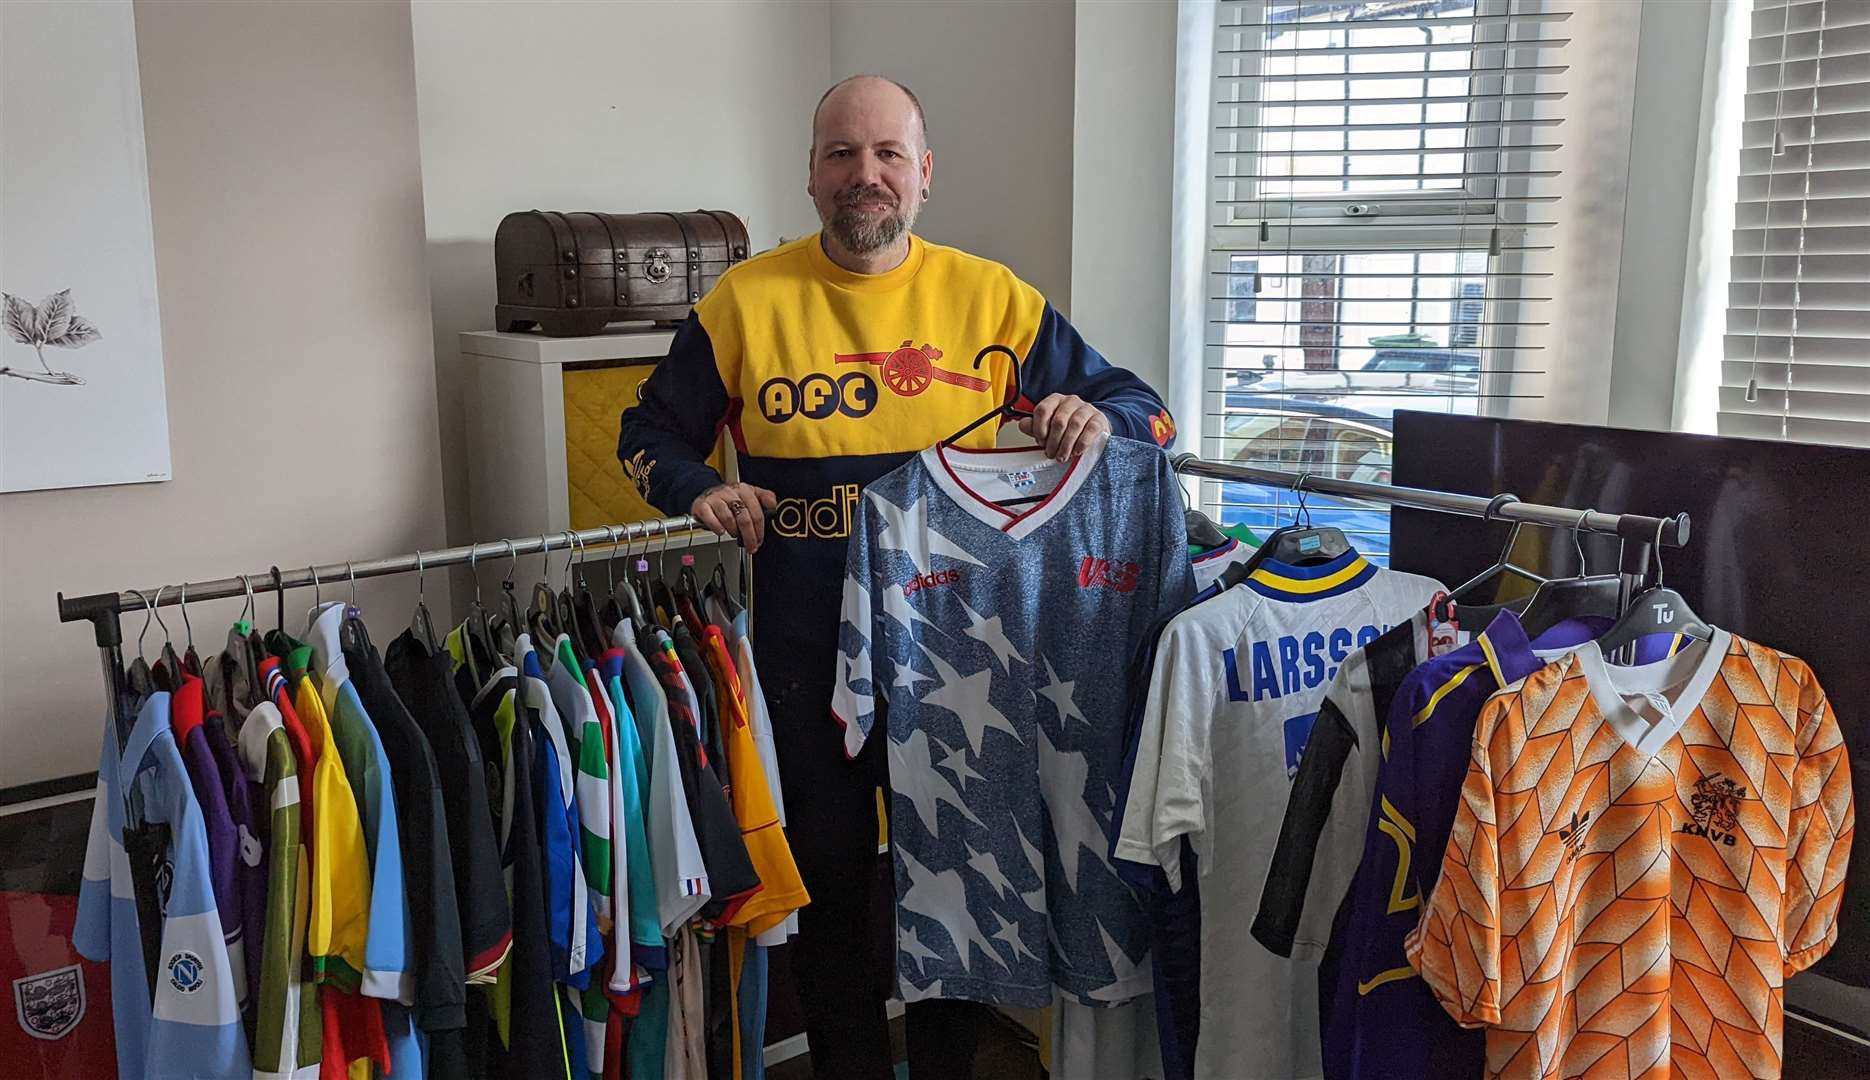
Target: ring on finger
(737,507)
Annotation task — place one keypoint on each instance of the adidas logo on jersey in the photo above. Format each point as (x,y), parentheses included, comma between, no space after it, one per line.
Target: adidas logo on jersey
(929,581)
(1572,835)
(1110,573)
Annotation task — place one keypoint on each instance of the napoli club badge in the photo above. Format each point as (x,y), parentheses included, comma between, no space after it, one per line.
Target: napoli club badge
(50,1003)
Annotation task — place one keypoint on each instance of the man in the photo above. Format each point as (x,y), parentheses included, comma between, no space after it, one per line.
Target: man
(830,360)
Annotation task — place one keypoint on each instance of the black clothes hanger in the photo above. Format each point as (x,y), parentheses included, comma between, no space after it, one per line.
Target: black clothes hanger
(624,603)
(661,596)
(1202,531)
(508,623)
(718,591)
(1559,599)
(1656,610)
(1007,408)
(421,624)
(542,613)
(351,631)
(1454,604)
(191,660)
(477,628)
(1297,544)
(645,606)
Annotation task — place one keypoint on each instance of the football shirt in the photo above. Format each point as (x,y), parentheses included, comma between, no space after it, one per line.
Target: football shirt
(1236,688)
(995,639)
(1641,858)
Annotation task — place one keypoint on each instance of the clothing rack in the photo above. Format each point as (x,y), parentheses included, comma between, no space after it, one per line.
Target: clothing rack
(1637,531)
(104,610)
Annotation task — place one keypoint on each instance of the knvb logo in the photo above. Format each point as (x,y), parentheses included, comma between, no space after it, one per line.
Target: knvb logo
(1110,573)
(937,579)
(1572,834)
(1715,806)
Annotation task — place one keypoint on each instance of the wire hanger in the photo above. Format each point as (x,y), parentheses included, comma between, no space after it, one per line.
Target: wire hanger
(191,660)
(1559,599)
(1009,408)
(1656,610)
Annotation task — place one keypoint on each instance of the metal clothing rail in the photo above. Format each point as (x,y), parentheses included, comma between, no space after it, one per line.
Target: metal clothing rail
(1638,531)
(102,609)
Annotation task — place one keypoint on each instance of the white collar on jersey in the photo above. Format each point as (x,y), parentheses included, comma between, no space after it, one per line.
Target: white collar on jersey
(951,467)
(1689,672)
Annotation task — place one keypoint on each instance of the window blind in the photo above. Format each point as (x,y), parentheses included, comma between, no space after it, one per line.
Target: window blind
(1384,189)
(1797,348)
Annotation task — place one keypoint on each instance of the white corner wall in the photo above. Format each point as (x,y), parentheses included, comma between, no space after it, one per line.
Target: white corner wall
(1123,158)
(995,79)
(651,105)
(286,201)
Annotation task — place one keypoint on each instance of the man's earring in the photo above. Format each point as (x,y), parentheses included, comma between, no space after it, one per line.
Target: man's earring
(925,194)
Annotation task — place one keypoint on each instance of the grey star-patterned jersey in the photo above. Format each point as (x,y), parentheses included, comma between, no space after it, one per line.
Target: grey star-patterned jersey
(990,642)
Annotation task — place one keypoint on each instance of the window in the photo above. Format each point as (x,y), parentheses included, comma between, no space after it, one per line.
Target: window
(1797,349)
(1381,200)
(1240,299)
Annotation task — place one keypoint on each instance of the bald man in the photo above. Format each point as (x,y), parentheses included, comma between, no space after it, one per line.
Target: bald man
(830,361)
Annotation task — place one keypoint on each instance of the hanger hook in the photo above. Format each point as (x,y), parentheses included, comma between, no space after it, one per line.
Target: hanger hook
(545,555)
(351,572)
(149,610)
(1577,540)
(1298,492)
(318,591)
(279,597)
(247,609)
(662,552)
(421,577)
(571,555)
(474,571)
(158,614)
(187,627)
(512,567)
(1661,523)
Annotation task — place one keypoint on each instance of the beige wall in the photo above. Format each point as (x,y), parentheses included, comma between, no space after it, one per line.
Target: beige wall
(1123,155)
(656,105)
(995,79)
(286,197)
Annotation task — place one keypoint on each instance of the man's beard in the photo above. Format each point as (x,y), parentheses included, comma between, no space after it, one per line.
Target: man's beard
(862,234)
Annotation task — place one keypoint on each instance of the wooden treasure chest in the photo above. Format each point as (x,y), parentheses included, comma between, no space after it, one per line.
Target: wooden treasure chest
(573,273)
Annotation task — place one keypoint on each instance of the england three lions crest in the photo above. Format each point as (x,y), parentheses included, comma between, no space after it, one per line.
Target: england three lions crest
(50,1003)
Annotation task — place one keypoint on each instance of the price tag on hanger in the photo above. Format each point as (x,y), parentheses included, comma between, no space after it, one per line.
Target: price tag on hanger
(1444,626)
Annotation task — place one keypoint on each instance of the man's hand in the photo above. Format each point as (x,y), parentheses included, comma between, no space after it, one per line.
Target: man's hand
(736,510)
(1066,425)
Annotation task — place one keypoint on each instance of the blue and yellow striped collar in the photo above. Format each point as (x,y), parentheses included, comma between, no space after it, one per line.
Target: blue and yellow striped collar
(1301,584)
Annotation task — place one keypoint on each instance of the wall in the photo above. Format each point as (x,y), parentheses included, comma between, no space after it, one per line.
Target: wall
(1122,165)
(1671,51)
(285,195)
(574,112)
(996,82)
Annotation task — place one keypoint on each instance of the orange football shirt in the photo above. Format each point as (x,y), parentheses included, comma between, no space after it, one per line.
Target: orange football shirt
(1642,856)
